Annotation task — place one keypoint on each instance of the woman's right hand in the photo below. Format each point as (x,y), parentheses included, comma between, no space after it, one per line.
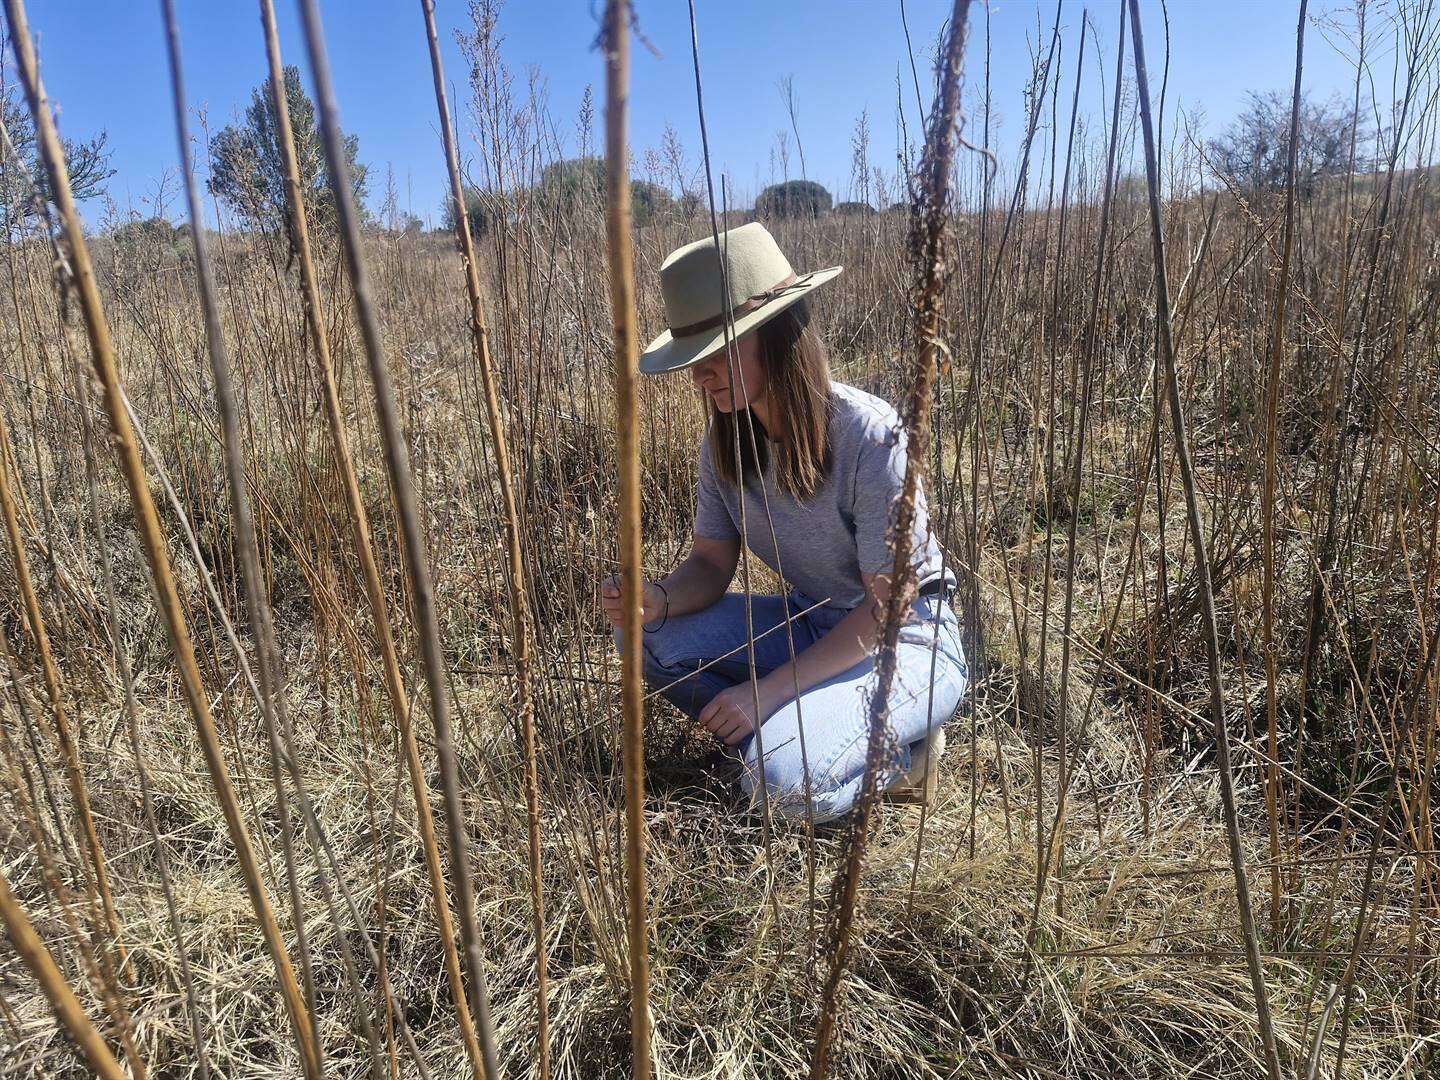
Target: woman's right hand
(652,601)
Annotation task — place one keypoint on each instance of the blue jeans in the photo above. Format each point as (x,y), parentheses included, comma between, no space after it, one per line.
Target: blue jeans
(682,660)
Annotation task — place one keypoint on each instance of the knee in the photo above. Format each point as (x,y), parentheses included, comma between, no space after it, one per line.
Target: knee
(782,777)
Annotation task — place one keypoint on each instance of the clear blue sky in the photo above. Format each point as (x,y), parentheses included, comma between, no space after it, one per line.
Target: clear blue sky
(104,64)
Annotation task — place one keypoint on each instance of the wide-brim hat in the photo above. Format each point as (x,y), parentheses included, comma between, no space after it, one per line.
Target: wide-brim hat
(761,284)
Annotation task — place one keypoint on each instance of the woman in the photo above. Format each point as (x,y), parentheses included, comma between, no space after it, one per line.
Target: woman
(820,464)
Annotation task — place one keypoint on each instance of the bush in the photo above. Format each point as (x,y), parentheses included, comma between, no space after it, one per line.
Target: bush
(793,199)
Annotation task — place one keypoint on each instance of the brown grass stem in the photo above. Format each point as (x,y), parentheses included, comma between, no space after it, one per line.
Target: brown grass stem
(397,463)
(615,42)
(1202,558)
(930,253)
(103,357)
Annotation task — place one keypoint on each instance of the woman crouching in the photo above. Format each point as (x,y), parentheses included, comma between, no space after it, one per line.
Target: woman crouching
(806,471)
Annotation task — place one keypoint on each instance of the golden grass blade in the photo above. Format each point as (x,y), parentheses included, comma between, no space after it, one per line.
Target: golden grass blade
(62,999)
(103,357)
(930,253)
(616,44)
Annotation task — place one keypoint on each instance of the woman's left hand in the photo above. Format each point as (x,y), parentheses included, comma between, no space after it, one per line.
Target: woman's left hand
(730,714)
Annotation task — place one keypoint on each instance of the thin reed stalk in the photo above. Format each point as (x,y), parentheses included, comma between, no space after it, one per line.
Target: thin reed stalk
(1202,557)
(375,596)
(397,463)
(1274,794)
(103,356)
(519,607)
(615,42)
(68,1009)
(930,253)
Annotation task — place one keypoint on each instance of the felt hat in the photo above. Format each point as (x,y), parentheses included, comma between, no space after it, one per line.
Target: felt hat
(761,285)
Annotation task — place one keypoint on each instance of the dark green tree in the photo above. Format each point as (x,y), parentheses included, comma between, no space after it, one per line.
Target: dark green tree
(793,199)
(482,209)
(248,173)
(87,160)
(859,209)
(580,181)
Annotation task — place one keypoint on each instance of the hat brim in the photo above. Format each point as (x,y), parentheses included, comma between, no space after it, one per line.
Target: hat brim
(669,353)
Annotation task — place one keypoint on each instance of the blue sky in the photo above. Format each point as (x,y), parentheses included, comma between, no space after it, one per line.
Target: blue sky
(104,64)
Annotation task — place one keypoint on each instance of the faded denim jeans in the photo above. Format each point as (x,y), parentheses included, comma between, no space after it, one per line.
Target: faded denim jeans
(682,660)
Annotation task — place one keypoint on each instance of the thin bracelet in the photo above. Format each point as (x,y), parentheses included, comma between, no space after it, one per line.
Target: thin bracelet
(663,618)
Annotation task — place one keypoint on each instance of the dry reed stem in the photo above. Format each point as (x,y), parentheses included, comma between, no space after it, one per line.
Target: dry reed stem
(615,42)
(271,698)
(1202,559)
(299,235)
(519,608)
(74,773)
(929,247)
(1274,794)
(103,356)
(397,462)
(62,999)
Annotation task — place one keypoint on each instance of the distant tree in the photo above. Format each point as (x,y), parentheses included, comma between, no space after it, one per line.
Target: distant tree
(857,209)
(248,173)
(87,161)
(1255,148)
(581,181)
(151,230)
(648,202)
(149,243)
(793,199)
(482,209)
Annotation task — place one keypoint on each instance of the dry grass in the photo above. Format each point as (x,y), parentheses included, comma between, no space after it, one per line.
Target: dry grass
(1129,963)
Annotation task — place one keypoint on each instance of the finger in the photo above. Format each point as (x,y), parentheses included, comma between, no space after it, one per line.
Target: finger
(707,712)
(720,719)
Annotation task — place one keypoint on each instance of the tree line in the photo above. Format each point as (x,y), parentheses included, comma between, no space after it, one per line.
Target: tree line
(246,173)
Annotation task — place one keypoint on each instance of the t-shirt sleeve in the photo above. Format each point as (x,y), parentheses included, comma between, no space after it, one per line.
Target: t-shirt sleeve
(712,514)
(879,480)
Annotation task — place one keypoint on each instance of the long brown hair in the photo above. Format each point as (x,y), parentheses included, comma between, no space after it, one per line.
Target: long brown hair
(797,374)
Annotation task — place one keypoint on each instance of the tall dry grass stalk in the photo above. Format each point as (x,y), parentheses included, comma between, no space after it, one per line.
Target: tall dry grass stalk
(505,476)
(1205,583)
(615,42)
(930,254)
(360,532)
(123,437)
(52,981)
(397,461)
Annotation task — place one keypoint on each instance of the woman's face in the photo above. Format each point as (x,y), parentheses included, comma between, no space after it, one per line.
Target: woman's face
(712,375)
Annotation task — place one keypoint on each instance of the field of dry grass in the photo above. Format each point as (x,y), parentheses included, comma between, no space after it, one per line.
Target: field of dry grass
(1067,906)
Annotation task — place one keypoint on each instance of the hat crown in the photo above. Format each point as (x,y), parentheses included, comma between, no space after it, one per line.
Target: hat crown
(690,276)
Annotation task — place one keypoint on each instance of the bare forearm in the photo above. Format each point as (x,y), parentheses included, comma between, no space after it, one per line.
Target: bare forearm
(694,585)
(850,641)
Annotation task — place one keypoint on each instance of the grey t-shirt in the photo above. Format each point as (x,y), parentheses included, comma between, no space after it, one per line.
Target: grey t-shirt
(827,541)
